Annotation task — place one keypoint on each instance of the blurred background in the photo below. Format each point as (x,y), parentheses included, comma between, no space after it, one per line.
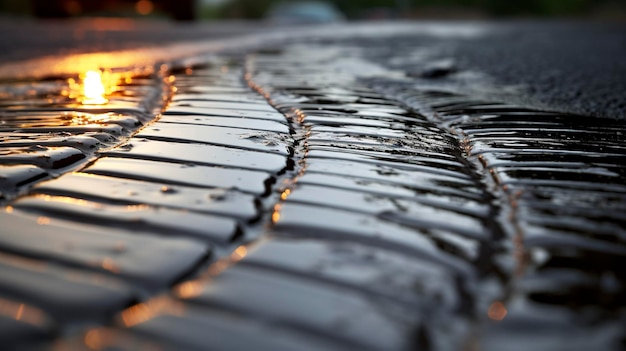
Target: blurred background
(316,11)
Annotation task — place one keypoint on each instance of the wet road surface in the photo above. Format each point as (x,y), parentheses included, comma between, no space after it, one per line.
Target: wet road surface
(307,195)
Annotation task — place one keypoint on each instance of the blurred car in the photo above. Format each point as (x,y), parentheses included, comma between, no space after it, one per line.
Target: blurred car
(183,10)
(304,12)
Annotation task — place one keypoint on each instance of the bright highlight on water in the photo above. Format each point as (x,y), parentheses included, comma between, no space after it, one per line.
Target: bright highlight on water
(93,89)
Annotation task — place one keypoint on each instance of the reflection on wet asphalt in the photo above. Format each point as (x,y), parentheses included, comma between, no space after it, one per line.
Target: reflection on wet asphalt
(46,130)
(305,198)
(563,177)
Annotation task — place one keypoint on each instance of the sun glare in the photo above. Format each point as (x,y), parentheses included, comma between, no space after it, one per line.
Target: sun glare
(93,89)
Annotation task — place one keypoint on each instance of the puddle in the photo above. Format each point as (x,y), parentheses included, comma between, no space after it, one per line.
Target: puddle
(533,178)
(199,154)
(563,176)
(376,174)
(139,263)
(433,218)
(189,187)
(60,124)
(144,218)
(220,136)
(247,181)
(133,192)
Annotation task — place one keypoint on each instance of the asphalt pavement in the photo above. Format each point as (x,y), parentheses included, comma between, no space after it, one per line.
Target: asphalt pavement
(572,66)
(372,186)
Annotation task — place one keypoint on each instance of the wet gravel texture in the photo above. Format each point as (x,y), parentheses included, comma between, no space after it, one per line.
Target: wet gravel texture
(334,192)
(571,67)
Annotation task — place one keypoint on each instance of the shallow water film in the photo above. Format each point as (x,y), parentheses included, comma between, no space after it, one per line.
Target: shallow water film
(310,196)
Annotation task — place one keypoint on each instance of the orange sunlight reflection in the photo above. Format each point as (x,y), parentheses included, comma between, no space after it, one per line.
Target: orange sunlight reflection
(109,264)
(95,339)
(276,214)
(239,253)
(43,220)
(191,289)
(21,312)
(93,89)
(103,338)
(497,311)
(218,267)
(285,194)
(194,288)
(146,311)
